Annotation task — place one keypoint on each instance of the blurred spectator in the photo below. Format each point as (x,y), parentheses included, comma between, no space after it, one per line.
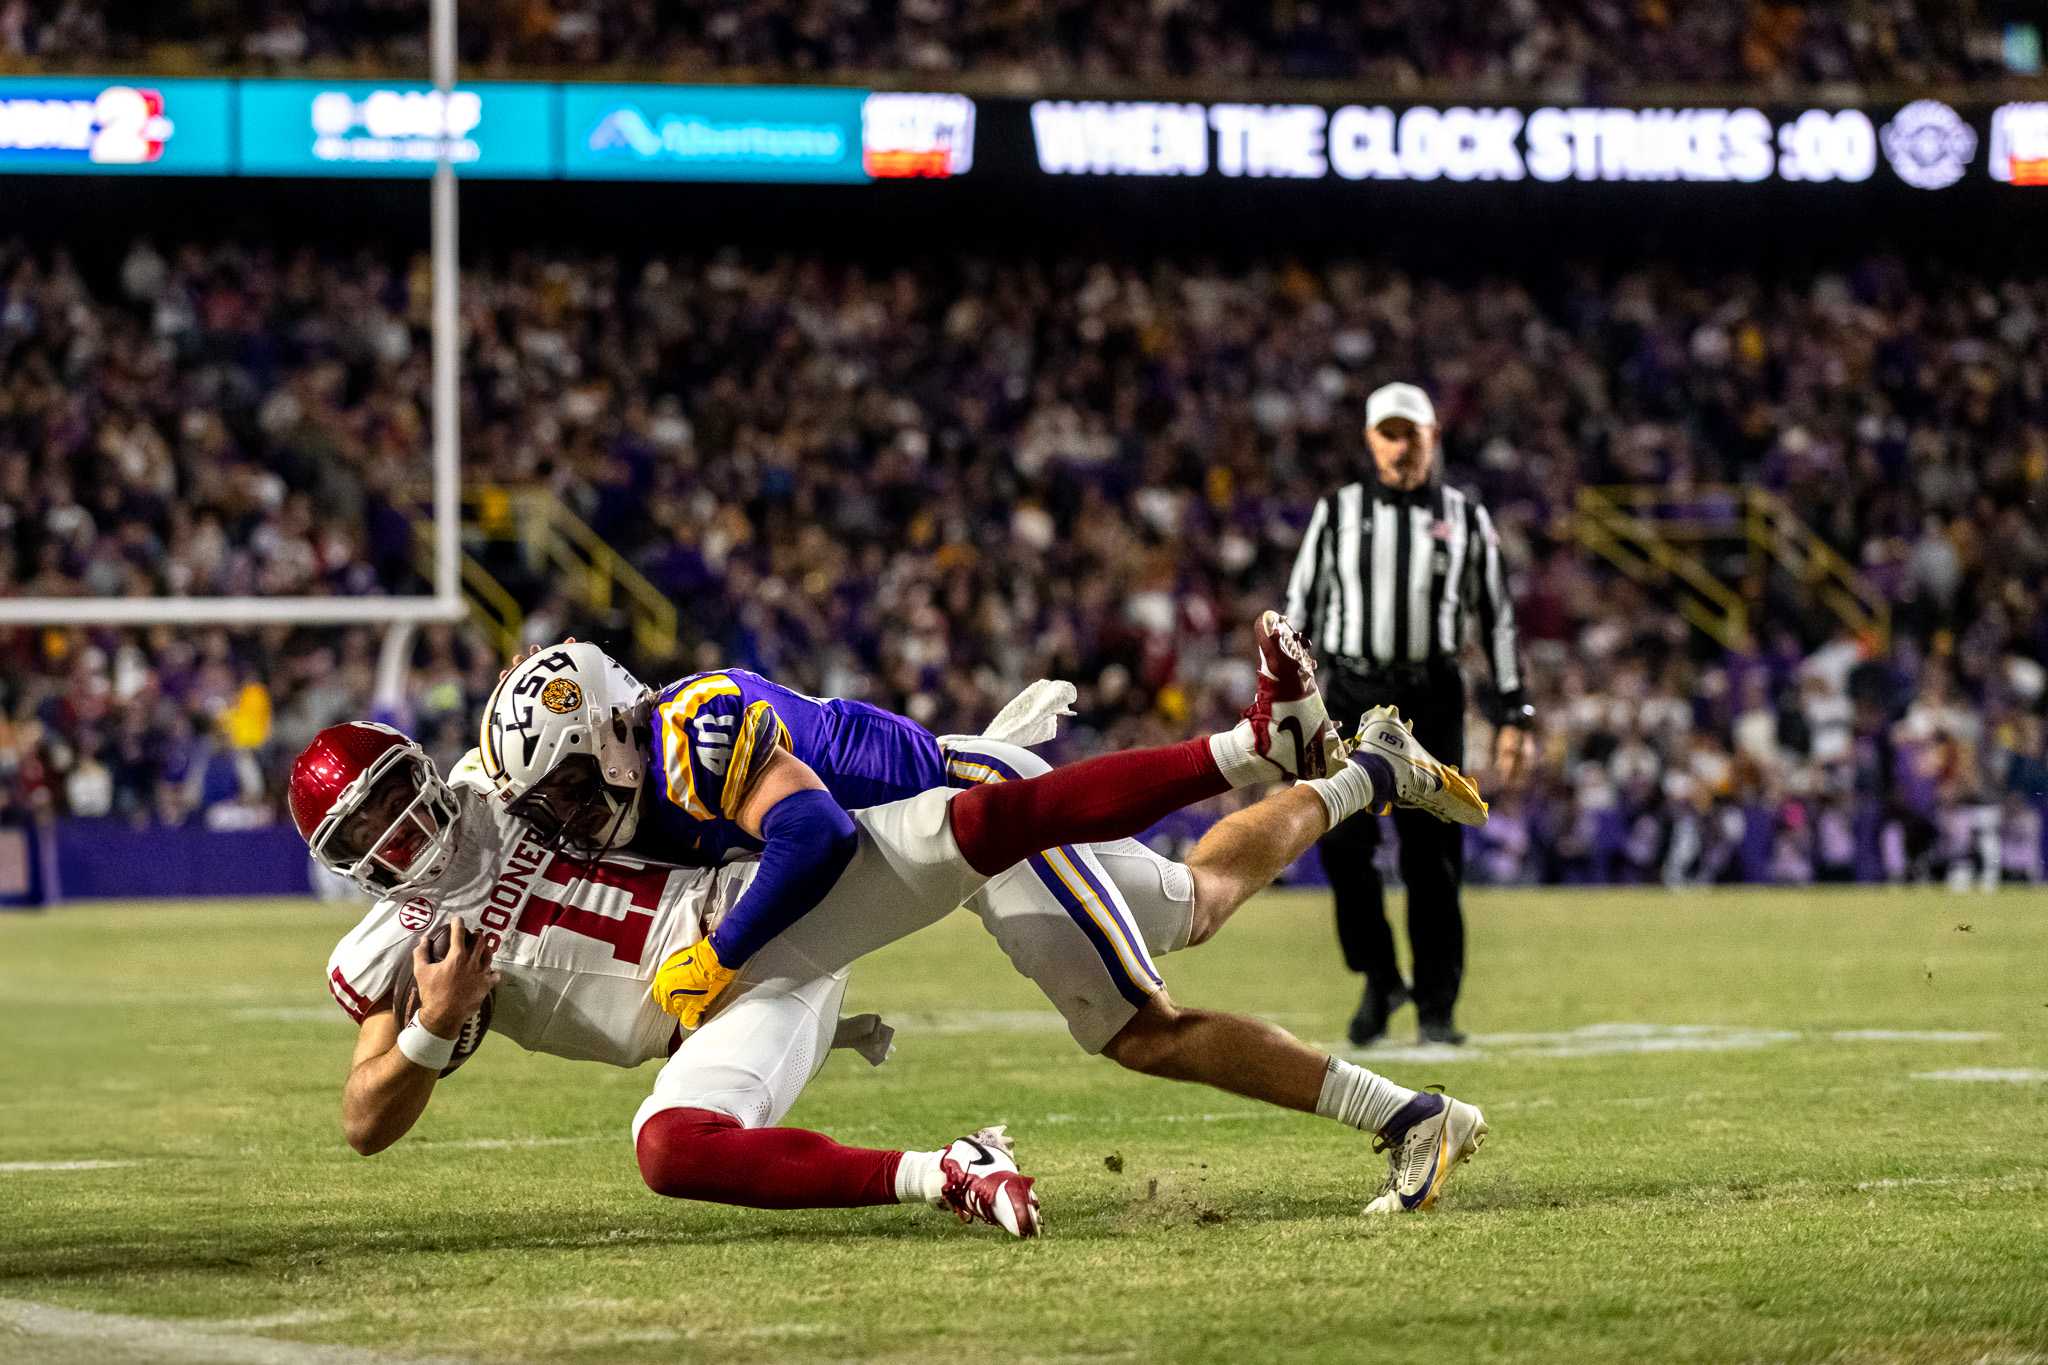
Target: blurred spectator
(1563,49)
(928,485)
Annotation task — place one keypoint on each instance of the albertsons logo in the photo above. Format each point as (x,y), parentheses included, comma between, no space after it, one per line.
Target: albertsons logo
(1929,145)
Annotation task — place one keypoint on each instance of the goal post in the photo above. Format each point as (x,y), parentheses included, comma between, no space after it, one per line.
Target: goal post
(225,611)
(447,349)
(446,602)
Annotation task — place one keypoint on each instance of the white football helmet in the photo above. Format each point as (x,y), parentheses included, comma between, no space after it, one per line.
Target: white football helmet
(560,743)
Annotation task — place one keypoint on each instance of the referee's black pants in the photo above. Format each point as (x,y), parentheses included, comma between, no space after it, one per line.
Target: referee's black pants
(1432,852)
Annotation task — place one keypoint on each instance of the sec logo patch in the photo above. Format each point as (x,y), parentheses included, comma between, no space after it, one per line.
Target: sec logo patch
(416,914)
(561,696)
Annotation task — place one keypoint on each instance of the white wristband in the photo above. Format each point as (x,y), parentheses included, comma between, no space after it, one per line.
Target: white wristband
(426,1049)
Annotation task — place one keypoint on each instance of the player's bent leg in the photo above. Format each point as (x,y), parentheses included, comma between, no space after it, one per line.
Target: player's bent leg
(1159,891)
(1096,800)
(703,1154)
(1244,852)
(1285,733)
(907,872)
(753,1057)
(1425,1135)
(703,1134)
(1063,917)
(1084,923)
(1232,1052)
(1151,1034)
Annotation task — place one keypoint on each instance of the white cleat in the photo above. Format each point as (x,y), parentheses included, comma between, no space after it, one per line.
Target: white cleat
(1431,1136)
(983,1184)
(1420,780)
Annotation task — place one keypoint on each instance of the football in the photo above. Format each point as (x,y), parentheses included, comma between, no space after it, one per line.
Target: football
(405,993)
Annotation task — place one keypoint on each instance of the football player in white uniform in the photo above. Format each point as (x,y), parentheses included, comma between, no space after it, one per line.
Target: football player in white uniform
(563,950)
(555,942)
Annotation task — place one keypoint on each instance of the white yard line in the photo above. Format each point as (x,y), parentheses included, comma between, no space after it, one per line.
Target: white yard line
(2014,1180)
(1247,1116)
(1624,1039)
(667,1336)
(2017,1075)
(291,1014)
(1593,1040)
(1893,1035)
(26,1167)
(265,1322)
(1377,1053)
(1024,1021)
(119,1336)
(1024,1124)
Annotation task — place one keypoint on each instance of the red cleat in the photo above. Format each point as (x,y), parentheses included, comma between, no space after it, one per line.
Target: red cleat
(1286,659)
(1290,728)
(983,1184)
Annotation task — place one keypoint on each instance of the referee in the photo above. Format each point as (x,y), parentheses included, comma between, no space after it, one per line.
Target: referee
(1389,572)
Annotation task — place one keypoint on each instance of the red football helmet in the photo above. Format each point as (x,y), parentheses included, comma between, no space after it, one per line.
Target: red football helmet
(371,807)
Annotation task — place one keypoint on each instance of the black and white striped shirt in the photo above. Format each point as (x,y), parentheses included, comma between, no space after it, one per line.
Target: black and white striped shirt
(1386,578)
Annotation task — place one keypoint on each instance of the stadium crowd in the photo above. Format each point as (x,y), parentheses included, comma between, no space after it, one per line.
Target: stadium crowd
(1577,50)
(928,485)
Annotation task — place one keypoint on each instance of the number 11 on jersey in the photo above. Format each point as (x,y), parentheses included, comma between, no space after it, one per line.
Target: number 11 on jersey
(575,912)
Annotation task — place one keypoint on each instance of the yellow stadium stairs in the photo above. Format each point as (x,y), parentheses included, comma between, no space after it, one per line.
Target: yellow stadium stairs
(1667,538)
(554,544)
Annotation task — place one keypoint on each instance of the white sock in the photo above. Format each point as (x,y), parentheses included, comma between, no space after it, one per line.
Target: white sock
(1232,750)
(1352,1095)
(918,1178)
(1345,792)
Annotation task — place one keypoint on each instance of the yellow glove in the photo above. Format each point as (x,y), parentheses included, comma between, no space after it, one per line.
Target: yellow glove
(690,980)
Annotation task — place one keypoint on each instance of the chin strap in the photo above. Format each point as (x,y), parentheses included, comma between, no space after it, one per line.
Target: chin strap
(625,819)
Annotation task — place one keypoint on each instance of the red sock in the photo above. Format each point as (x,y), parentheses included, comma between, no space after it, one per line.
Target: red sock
(699,1154)
(1116,796)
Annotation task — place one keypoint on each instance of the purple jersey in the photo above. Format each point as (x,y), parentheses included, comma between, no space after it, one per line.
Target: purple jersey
(713,733)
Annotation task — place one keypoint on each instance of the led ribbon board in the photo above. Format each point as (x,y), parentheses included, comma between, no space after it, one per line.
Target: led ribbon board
(688,132)
(115,126)
(836,135)
(1924,145)
(354,128)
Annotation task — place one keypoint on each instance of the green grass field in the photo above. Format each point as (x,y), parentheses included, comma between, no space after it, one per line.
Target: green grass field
(1705,1146)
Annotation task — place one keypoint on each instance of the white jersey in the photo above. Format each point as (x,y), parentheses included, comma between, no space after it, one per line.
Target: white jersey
(577,940)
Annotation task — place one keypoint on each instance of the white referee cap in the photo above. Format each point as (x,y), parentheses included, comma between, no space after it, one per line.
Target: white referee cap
(1399,400)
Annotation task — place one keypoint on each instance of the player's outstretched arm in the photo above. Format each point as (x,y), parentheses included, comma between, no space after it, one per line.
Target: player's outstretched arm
(386,1093)
(387,1090)
(808,841)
